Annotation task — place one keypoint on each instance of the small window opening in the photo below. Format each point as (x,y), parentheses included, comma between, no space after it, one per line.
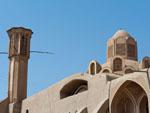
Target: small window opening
(92,69)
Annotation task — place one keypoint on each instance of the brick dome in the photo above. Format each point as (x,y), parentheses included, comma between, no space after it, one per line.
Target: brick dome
(122,44)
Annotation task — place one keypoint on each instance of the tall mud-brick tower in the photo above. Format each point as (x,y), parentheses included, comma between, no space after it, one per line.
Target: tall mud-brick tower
(19,53)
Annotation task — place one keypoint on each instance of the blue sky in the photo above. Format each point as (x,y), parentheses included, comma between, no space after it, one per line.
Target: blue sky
(75,30)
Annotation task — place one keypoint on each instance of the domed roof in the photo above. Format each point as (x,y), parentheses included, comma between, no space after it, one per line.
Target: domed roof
(121,33)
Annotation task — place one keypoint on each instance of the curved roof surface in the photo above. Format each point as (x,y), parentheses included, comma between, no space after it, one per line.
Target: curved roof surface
(121,33)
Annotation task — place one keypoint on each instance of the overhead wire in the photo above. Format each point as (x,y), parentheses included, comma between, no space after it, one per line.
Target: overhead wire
(40,52)
(6,77)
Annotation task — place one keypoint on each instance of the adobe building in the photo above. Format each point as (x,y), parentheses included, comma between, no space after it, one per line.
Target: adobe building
(121,85)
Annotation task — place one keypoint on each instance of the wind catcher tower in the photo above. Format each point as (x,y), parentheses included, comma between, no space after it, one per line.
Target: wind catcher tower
(19,53)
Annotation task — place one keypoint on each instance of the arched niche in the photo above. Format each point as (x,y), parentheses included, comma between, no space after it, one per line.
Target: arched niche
(127,97)
(129,70)
(106,71)
(73,87)
(117,64)
(146,62)
(94,68)
(131,48)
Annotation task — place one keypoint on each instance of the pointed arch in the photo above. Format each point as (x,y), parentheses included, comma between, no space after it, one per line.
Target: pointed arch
(143,105)
(126,98)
